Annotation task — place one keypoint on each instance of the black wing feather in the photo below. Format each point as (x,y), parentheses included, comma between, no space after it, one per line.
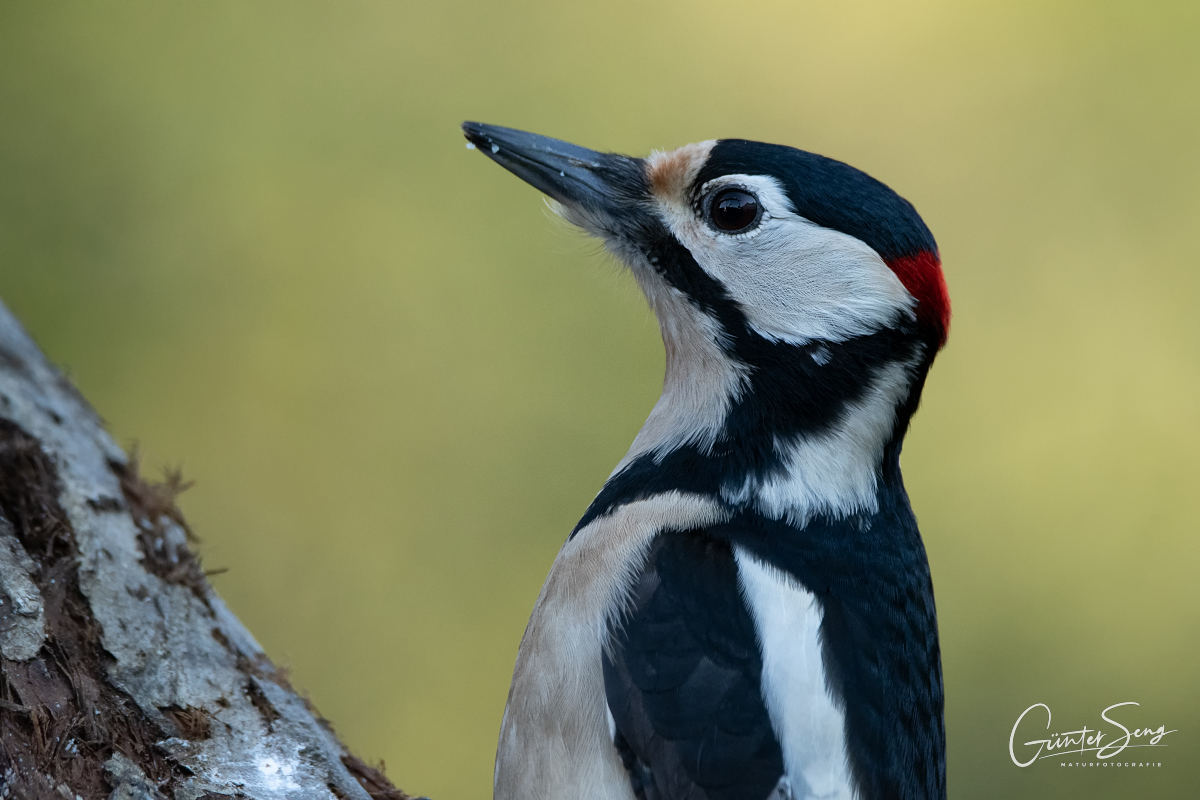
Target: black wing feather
(683,679)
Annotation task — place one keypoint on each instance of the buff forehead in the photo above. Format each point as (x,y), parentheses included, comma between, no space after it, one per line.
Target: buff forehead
(671,174)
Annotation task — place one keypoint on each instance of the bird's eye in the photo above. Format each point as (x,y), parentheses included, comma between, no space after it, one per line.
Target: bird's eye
(734,211)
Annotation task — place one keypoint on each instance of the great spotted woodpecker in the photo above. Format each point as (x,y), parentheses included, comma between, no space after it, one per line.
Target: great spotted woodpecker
(745,611)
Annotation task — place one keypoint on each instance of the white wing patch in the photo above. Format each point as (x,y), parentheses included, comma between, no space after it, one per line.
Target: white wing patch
(810,726)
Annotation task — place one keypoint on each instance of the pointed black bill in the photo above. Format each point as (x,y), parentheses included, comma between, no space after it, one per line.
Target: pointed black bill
(574,175)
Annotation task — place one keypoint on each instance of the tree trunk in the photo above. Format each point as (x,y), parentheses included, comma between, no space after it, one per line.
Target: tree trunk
(123,673)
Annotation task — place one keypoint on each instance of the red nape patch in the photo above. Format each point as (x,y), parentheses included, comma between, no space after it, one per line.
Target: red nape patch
(922,276)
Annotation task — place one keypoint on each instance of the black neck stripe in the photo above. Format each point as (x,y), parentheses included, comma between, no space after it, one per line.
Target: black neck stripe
(788,395)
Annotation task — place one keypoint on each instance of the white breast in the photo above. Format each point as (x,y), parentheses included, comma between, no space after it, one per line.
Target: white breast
(555,740)
(808,723)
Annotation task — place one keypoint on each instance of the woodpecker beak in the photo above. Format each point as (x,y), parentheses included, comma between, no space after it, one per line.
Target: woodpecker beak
(604,183)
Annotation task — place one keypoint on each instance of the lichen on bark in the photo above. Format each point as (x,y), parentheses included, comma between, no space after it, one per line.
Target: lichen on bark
(124,675)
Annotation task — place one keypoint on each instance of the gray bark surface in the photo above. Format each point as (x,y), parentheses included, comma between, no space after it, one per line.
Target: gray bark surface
(122,674)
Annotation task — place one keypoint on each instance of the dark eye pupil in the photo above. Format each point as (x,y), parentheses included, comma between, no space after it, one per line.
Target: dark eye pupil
(734,210)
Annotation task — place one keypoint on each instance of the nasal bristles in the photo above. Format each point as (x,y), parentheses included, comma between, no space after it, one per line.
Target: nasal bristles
(671,174)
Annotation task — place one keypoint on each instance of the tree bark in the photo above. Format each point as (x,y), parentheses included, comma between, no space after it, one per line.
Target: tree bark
(124,675)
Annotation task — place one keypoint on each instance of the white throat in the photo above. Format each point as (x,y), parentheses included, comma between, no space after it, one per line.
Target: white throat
(701,381)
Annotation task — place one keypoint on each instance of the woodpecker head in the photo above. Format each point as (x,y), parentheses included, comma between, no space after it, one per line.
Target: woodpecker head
(801,303)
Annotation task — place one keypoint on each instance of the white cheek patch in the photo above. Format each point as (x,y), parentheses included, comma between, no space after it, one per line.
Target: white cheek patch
(795,281)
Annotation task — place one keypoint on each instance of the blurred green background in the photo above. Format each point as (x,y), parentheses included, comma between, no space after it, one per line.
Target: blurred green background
(252,234)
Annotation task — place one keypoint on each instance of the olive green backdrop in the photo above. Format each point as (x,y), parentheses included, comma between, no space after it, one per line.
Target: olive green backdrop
(252,234)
